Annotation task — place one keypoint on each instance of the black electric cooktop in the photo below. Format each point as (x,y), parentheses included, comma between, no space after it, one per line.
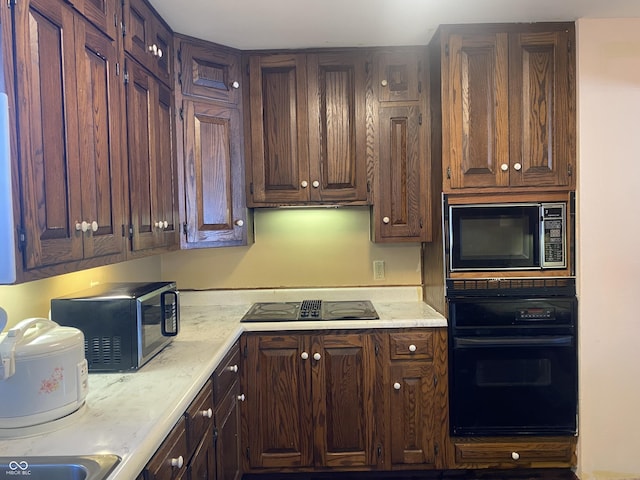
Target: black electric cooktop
(311,310)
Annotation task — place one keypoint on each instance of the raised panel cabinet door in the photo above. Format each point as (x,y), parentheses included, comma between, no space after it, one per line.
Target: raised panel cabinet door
(542,109)
(210,73)
(337,126)
(227,443)
(103,13)
(100,147)
(214,174)
(279,129)
(165,221)
(278,401)
(48,124)
(343,384)
(202,464)
(138,30)
(476,111)
(413,425)
(400,206)
(399,75)
(161,51)
(141,101)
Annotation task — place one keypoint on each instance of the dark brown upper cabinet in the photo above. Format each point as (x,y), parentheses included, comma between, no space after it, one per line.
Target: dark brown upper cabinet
(308,128)
(508,106)
(104,14)
(68,92)
(211,148)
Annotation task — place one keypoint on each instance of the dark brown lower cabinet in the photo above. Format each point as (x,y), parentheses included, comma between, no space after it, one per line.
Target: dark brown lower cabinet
(310,401)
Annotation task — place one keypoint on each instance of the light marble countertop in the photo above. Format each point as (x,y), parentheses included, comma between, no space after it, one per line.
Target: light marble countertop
(130,414)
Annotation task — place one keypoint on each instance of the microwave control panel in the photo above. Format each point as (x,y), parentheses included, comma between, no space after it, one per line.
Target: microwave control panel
(553,235)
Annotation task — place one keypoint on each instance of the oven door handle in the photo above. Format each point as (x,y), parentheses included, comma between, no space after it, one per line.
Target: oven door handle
(546,341)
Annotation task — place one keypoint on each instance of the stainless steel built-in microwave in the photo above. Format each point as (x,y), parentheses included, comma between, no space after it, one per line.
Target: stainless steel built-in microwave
(506,236)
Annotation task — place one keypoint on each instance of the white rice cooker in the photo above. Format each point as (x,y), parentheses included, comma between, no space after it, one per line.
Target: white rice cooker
(43,374)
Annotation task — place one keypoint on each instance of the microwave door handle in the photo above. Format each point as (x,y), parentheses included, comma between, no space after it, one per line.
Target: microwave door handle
(175,317)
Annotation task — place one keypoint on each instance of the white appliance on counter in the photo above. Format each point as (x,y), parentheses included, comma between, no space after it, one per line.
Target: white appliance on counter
(43,373)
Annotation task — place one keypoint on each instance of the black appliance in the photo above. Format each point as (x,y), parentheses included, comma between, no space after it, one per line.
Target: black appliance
(311,310)
(124,324)
(513,362)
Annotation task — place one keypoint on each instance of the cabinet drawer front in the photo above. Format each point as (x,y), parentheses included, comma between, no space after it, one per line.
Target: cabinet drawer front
(227,372)
(199,416)
(514,453)
(418,345)
(175,445)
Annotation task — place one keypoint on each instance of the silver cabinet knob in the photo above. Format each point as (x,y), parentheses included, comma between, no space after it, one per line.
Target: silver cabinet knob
(386,219)
(517,167)
(235,84)
(515,455)
(504,167)
(412,348)
(233,368)
(239,222)
(304,184)
(304,355)
(315,184)
(208,413)
(384,83)
(241,397)
(177,462)
(396,386)
(317,356)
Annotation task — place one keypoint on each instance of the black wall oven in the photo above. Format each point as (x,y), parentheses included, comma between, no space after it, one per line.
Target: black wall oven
(513,365)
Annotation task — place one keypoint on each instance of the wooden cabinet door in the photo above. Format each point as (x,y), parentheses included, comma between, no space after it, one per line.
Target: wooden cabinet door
(103,13)
(227,443)
(412,413)
(337,126)
(343,384)
(475,119)
(279,131)
(100,145)
(141,100)
(399,75)
(48,126)
(278,403)
(541,109)
(202,464)
(400,207)
(209,72)
(214,174)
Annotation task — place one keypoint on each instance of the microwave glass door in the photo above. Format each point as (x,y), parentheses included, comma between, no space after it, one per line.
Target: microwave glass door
(158,310)
(494,237)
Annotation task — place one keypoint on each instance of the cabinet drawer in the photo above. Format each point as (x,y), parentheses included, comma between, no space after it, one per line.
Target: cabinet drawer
(199,417)
(515,453)
(418,345)
(171,451)
(226,373)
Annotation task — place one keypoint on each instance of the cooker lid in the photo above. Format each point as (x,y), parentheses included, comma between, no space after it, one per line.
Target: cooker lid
(34,337)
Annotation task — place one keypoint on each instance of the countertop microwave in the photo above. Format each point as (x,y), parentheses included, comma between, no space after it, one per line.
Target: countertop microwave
(124,324)
(506,236)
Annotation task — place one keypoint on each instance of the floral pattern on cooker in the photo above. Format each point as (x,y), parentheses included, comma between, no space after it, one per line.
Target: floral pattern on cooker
(51,384)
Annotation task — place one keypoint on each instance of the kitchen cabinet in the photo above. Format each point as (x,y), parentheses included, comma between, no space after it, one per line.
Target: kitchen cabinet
(68,92)
(401,202)
(308,128)
(417,390)
(168,463)
(199,426)
(211,151)
(508,106)
(555,452)
(310,400)
(104,14)
(152,177)
(148,39)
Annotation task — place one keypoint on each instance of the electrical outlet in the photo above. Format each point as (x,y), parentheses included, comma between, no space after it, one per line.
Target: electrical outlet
(378,269)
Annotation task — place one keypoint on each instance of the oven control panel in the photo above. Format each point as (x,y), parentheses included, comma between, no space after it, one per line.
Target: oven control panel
(536,314)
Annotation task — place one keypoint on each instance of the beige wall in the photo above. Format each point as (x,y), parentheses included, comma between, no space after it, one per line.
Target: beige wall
(302,247)
(608,249)
(32,299)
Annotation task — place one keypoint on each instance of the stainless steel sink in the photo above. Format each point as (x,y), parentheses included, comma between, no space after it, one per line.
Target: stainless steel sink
(81,467)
